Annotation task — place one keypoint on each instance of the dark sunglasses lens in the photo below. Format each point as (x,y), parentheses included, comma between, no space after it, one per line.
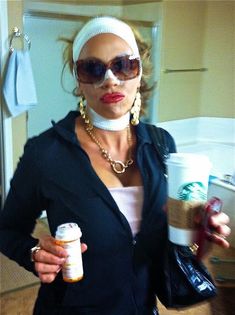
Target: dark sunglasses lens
(126,68)
(90,71)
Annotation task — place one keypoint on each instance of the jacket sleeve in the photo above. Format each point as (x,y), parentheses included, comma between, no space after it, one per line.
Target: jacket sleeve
(22,208)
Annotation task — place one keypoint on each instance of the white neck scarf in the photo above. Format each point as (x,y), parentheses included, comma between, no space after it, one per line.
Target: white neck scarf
(108,124)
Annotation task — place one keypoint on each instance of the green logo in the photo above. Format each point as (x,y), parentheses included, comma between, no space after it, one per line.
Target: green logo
(192,191)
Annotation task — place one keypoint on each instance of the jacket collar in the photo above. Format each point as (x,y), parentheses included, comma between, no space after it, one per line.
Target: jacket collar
(66,127)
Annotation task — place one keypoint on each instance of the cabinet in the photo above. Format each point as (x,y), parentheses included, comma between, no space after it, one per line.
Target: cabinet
(221,264)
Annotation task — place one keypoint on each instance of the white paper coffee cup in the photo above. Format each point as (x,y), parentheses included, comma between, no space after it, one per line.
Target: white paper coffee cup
(188,176)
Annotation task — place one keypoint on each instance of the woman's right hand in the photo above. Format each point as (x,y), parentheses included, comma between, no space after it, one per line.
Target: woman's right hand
(50,258)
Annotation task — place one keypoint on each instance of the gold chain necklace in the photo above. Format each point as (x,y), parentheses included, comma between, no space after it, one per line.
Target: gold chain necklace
(118,167)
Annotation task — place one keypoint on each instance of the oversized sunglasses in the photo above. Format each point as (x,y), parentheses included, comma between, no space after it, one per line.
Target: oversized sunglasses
(93,70)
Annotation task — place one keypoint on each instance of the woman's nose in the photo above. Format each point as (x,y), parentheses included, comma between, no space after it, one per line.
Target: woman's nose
(110,79)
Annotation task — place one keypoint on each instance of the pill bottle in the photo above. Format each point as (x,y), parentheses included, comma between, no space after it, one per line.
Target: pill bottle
(68,236)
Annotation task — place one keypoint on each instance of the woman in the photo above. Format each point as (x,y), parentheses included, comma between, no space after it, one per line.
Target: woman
(99,169)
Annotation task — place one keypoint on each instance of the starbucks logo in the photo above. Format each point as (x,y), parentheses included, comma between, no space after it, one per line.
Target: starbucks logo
(192,191)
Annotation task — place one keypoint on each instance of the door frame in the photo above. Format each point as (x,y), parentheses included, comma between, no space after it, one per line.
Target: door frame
(6,142)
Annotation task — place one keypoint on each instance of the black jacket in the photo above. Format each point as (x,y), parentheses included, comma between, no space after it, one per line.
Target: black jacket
(119,271)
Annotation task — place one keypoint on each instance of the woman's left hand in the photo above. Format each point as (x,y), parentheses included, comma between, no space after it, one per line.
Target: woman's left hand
(219,229)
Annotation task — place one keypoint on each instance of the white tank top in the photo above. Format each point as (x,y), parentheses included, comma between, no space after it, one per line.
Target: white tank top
(130,203)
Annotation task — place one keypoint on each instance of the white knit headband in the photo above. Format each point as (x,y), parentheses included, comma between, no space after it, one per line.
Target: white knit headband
(100,25)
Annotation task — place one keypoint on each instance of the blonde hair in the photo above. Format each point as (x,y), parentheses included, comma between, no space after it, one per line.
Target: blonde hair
(145,55)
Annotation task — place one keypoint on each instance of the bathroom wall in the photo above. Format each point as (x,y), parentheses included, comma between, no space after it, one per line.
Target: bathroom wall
(198,34)
(146,12)
(182,48)
(218,84)
(195,34)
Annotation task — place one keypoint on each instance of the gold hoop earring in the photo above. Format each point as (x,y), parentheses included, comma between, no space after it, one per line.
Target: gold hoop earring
(135,110)
(82,107)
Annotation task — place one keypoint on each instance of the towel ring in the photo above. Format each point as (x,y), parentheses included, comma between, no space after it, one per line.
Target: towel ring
(16,34)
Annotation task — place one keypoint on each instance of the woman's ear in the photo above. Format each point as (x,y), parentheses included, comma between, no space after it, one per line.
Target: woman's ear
(79,91)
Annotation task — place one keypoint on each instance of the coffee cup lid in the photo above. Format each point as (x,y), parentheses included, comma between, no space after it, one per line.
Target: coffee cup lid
(188,159)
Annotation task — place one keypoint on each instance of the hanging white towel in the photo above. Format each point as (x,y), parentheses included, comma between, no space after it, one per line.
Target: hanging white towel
(19,87)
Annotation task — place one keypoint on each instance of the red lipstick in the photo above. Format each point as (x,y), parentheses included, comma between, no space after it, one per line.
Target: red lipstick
(109,98)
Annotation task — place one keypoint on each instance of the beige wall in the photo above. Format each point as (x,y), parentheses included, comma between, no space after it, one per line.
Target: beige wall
(15,13)
(145,12)
(218,85)
(195,34)
(183,25)
(198,34)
